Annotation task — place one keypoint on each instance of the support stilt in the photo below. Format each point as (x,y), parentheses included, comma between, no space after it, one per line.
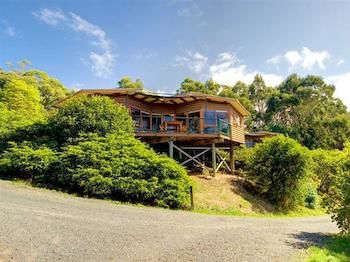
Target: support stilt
(213,158)
(171,148)
(232,160)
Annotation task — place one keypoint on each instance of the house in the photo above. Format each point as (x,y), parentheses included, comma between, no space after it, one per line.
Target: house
(251,138)
(191,125)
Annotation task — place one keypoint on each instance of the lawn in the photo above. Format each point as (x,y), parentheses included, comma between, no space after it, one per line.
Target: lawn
(226,195)
(337,249)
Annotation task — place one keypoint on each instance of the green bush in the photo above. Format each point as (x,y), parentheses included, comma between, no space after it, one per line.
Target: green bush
(326,167)
(338,200)
(123,168)
(311,198)
(278,169)
(97,114)
(23,161)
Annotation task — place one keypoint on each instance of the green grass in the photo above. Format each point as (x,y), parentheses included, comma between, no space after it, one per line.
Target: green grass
(299,212)
(336,249)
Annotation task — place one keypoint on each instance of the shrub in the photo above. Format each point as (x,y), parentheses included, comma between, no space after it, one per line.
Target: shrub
(338,200)
(278,169)
(123,168)
(327,165)
(311,198)
(23,161)
(242,155)
(98,114)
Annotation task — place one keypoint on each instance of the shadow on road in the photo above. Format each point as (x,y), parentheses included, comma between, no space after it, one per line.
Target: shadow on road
(303,240)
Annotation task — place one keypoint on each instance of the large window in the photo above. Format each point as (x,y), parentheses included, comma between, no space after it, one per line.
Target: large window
(215,121)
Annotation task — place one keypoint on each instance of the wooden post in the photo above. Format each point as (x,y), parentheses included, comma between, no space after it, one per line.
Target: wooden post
(232,159)
(213,158)
(191,195)
(171,148)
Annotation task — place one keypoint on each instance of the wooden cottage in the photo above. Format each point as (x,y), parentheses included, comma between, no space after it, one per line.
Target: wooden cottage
(190,124)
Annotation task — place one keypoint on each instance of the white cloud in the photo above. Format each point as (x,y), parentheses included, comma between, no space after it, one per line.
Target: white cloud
(293,57)
(227,57)
(342,84)
(229,71)
(10,31)
(340,62)
(80,25)
(51,17)
(274,60)
(311,58)
(305,59)
(194,61)
(101,62)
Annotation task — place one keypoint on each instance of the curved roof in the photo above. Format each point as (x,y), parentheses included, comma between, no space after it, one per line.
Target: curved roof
(157,98)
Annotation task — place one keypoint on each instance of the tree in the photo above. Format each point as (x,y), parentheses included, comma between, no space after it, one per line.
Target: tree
(278,169)
(258,94)
(51,90)
(305,109)
(81,115)
(126,82)
(19,105)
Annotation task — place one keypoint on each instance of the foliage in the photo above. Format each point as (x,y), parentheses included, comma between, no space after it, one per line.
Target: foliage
(306,110)
(19,105)
(338,201)
(121,167)
(23,161)
(303,108)
(277,169)
(51,90)
(100,115)
(336,249)
(242,155)
(25,96)
(126,82)
(326,167)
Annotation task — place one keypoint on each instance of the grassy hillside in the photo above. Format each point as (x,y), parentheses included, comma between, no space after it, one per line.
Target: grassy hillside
(225,194)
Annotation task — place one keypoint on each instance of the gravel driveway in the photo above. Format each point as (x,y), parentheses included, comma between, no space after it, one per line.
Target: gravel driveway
(41,225)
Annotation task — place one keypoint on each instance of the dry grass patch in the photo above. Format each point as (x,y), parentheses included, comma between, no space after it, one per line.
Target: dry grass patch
(226,194)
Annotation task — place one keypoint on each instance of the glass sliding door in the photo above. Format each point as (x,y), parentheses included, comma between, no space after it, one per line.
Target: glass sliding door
(194,122)
(156,122)
(145,121)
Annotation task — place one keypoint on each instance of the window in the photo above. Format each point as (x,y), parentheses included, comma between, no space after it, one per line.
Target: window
(194,122)
(141,119)
(215,120)
(146,121)
(156,122)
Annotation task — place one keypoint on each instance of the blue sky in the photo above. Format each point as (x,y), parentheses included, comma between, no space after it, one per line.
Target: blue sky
(92,44)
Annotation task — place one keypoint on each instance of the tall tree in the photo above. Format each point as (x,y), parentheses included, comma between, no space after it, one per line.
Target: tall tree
(258,94)
(305,109)
(127,82)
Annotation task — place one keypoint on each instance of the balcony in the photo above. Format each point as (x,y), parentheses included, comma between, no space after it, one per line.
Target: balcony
(181,126)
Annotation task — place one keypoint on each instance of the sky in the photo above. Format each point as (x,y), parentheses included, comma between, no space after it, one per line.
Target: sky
(92,43)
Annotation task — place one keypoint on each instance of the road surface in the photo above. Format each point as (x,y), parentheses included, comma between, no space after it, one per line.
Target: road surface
(43,225)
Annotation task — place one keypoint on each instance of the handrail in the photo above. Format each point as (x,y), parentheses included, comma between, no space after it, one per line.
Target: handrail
(189,125)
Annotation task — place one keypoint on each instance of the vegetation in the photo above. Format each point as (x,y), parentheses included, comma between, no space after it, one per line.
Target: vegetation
(126,82)
(83,115)
(337,249)
(303,108)
(87,146)
(278,169)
